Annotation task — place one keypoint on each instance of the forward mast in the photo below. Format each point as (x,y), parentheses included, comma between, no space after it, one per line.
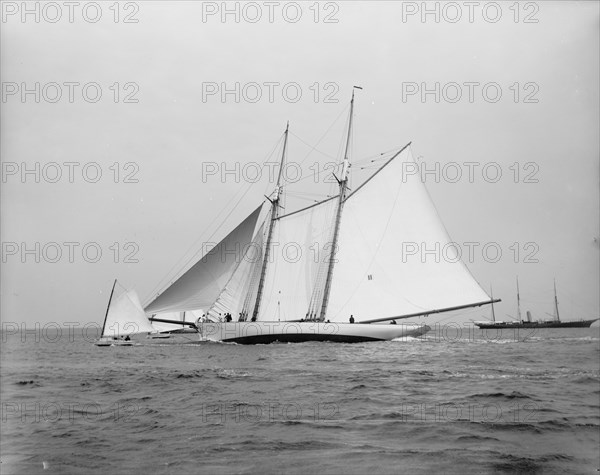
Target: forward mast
(274,215)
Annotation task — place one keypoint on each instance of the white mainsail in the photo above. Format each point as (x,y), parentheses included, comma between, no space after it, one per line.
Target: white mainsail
(377,274)
(299,248)
(202,283)
(126,316)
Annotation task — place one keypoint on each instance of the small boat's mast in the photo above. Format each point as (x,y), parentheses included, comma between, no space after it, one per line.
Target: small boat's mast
(108,307)
(518,301)
(274,214)
(492,296)
(556,302)
(343,182)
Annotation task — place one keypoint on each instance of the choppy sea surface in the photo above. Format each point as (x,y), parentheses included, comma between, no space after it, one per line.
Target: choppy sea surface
(453,401)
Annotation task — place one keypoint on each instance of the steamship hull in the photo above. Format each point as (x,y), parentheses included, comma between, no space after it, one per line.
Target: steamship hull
(572,324)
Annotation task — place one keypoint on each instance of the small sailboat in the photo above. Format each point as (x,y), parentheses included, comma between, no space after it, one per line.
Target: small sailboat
(124,317)
(556,322)
(361,275)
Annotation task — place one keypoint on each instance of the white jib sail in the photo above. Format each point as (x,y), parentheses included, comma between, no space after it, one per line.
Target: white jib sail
(202,283)
(239,294)
(383,265)
(126,316)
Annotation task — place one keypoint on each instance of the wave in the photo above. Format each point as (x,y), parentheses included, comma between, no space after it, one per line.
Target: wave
(511,395)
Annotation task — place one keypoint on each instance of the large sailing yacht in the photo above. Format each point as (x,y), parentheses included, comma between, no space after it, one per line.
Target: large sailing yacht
(357,290)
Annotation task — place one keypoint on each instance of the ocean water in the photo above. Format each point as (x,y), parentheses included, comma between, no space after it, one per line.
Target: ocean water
(453,401)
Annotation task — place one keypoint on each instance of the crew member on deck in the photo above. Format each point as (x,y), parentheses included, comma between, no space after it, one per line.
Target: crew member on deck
(351,318)
(393,322)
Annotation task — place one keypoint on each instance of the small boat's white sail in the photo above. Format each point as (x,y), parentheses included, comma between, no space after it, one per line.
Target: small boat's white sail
(202,283)
(125,316)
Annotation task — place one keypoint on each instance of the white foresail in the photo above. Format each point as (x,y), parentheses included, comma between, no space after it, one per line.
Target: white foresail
(299,246)
(126,316)
(383,268)
(239,294)
(200,285)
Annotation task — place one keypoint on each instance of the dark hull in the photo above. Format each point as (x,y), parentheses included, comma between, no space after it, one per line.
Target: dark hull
(262,332)
(573,324)
(298,338)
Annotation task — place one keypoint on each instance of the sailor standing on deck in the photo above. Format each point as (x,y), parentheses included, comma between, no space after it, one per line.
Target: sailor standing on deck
(351,318)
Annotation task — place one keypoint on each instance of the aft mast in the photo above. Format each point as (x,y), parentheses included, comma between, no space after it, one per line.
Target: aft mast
(343,182)
(274,215)
(492,296)
(518,301)
(556,303)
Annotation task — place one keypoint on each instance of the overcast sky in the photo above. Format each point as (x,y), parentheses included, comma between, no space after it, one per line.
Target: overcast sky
(166,120)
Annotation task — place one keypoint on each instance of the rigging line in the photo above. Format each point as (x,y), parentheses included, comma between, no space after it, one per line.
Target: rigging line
(381,157)
(381,168)
(328,178)
(308,207)
(353,149)
(333,182)
(324,134)
(313,148)
(303,193)
(308,198)
(178,265)
(185,267)
(377,155)
(194,244)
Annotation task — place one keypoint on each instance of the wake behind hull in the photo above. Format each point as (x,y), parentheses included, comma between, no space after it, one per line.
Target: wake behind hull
(296,332)
(112,342)
(573,324)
